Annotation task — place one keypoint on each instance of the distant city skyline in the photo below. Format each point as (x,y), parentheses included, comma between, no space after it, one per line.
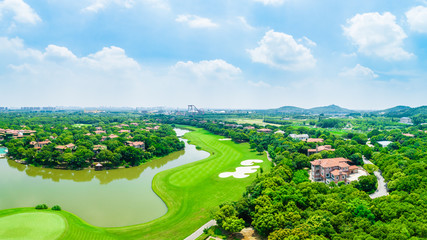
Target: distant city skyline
(253,54)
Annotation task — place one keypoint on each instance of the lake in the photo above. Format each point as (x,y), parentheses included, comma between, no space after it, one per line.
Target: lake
(112,198)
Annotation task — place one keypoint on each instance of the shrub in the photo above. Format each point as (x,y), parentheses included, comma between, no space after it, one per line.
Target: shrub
(56,208)
(41,206)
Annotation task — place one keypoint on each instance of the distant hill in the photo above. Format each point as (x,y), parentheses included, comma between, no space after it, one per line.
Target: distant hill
(398,111)
(331,109)
(408,112)
(290,109)
(395,109)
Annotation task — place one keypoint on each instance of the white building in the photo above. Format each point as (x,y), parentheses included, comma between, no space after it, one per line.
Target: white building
(301,137)
(406,120)
(384,143)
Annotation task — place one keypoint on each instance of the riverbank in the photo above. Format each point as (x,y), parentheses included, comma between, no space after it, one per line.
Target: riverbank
(191,192)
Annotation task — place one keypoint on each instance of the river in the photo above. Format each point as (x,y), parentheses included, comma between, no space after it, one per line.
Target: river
(112,198)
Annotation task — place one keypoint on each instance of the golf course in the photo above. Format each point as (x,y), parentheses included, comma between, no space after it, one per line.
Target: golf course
(191,192)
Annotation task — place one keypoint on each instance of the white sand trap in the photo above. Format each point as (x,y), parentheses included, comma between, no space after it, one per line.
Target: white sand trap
(241,172)
(225,139)
(250,162)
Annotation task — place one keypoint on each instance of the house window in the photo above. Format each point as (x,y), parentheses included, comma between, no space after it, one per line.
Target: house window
(327,175)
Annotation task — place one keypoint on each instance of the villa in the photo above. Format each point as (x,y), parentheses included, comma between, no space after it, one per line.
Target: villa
(332,170)
(264,130)
(301,137)
(40,145)
(318,149)
(140,145)
(406,120)
(315,140)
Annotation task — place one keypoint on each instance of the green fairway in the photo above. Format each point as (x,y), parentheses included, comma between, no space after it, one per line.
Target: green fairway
(34,225)
(191,192)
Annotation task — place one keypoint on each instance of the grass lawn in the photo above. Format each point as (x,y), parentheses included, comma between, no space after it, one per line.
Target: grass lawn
(191,192)
(82,125)
(258,122)
(32,225)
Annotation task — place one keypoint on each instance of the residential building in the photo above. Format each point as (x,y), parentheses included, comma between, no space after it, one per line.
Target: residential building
(264,130)
(140,145)
(384,143)
(315,140)
(332,170)
(40,145)
(99,148)
(405,120)
(318,149)
(301,137)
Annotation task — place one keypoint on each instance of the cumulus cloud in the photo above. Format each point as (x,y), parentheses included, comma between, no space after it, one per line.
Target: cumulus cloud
(280,50)
(98,5)
(216,70)
(271,2)
(21,11)
(194,21)
(417,19)
(359,72)
(377,35)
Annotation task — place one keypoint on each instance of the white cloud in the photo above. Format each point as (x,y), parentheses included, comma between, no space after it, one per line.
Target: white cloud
(98,5)
(271,2)
(307,41)
(280,50)
(377,35)
(57,52)
(194,21)
(245,23)
(215,70)
(22,12)
(359,72)
(417,19)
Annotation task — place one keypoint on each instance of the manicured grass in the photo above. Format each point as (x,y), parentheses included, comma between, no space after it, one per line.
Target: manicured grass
(32,225)
(257,121)
(191,192)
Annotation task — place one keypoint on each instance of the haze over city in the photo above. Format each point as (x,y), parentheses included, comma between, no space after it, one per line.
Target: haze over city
(215,54)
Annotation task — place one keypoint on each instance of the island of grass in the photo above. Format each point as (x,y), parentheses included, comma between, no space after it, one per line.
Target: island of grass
(191,192)
(99,146)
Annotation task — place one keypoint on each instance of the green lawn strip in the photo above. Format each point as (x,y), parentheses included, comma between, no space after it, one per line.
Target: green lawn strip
(73,228)
(32,225)
(193,191)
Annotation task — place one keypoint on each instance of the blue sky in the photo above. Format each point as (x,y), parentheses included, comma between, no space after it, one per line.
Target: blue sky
(360,54)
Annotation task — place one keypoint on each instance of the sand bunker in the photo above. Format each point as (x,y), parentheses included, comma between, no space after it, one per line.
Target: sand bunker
(225,139)
(241,172)
(250,162)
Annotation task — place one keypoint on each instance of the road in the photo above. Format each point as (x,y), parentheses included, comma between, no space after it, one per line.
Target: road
(382,185)
(199,231)
(269,158)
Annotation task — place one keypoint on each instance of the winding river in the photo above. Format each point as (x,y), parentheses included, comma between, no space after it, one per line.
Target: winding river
(112,198)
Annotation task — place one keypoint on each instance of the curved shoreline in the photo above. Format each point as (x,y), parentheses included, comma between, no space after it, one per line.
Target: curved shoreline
(189,191)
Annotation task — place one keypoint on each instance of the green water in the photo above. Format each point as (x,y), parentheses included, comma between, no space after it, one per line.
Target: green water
(2,150)
(111,198)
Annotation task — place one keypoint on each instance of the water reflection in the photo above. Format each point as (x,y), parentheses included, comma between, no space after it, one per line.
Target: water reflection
(87,175)
(110,198)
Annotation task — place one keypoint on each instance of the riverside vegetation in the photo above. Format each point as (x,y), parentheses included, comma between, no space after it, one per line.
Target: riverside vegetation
(75,141)
(282,203)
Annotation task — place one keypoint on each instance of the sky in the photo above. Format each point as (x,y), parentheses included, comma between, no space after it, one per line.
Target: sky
(241,54)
